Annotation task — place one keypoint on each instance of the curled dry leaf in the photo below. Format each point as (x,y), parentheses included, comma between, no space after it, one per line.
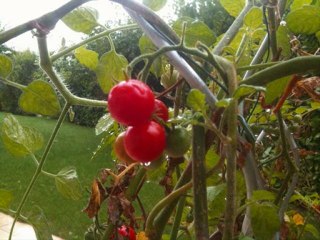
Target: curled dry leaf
(309,86)
(98,195)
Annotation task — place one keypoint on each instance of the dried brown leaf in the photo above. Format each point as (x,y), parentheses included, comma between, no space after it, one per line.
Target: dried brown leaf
(98,195)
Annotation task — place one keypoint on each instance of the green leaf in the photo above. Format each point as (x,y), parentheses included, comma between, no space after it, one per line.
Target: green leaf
(245,90)
(146,46)
(6,198)
(155,5)
(275,89)
(253,18)
(262,195)
(224,103)
(82,19)
(313,230)
(68,184)
(110,68)
(233,7)
(18,140)
(216,200)
(265,221)
(196,100)
(195,31)
(104,123)
(283,41)
(299,3)
(5,66)
(39,97)
(211,158)
(87,57)
(301,110)
(40,224)
(315,105)
(305,20)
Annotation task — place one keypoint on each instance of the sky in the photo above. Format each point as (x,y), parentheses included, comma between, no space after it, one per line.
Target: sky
(15,12)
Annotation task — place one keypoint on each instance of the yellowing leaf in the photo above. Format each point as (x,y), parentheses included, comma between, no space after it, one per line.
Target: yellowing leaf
(87,57)
(82,19)
(253,18)
(195,31)
(155,5)
(298,219)
(19,140)
(141,236)
(39,97)
(305,20)
(233,7)
(110,69)
(68,184)
(5,66)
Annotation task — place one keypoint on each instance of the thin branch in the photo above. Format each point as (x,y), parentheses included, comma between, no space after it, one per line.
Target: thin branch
(46,66)
(44,23)
(90,39)
(232,30)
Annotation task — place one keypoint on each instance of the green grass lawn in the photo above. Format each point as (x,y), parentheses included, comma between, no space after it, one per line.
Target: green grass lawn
(73,147)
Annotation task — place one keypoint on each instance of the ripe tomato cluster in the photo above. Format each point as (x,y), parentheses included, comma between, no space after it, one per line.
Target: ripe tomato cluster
(132,104)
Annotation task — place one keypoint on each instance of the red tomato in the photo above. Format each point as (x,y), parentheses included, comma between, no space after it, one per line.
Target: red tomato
(145,143)
(131,102)
(161,110)
(127,232)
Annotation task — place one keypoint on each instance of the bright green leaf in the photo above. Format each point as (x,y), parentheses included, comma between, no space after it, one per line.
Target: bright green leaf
(40,224)
(262,195)
(82,19)
(265,220)
(299,3)
(68,184)
(155,5)
(87,57)
(275,89)
(110,69)
(211,158)
(195,31)
(253,18)
(146,46)
(19,140)
(196,100)
(6,198)
(245,90)
(223,103)
(305,20)
(5,66)
(233,7)
(283,41)
(301,110)
(315,105)
(39,97)
(104,123)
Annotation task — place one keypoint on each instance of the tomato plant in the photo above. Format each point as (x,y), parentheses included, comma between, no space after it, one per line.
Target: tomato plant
(131,102)
(178,142)
(161,110)
(146,142)
(120,151)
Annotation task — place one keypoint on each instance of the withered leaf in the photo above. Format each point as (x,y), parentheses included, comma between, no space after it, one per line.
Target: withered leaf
(114,209)
(98,195)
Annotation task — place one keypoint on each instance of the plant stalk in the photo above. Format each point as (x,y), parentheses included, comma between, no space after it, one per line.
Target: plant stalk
(199,183)
(40,166)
